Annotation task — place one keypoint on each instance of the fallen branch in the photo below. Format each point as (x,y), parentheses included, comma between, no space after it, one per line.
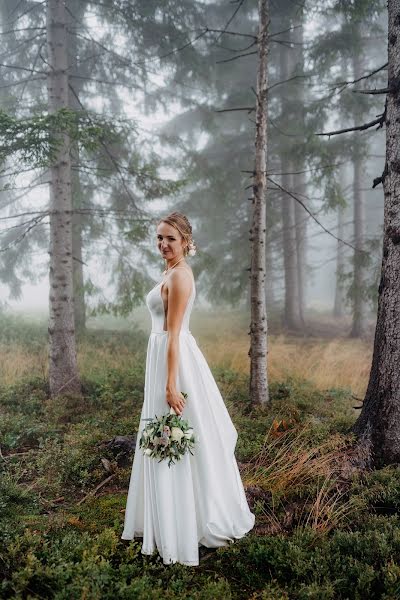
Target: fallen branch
(93,492)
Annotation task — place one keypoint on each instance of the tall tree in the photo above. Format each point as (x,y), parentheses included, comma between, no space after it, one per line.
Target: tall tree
(359,274)
(339,302)
(299,178)
(348,53)
(75,14)
(109,189)
(258,325)
(378,426)
(63,369)
(291,240)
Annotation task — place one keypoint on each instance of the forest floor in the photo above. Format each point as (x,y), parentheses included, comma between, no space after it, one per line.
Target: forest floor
(324,530)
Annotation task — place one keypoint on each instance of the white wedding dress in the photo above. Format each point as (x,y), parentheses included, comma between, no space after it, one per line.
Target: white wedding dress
(199,500)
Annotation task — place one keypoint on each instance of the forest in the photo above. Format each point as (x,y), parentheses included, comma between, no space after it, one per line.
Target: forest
(274,126)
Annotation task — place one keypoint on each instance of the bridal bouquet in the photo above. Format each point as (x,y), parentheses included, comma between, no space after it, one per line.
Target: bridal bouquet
(167,437)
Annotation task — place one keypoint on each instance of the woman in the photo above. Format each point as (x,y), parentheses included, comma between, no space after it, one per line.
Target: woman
(199,500)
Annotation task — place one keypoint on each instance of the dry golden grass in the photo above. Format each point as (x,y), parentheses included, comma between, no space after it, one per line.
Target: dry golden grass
(328,509)
(17,362)
(327,363)
(96,360)
(289,460)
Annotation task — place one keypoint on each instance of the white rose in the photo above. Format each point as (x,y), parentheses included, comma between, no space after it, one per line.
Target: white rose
(147,451)
(176,434)
(189,433)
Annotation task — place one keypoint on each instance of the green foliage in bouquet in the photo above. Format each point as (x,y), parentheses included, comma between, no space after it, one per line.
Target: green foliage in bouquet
(167,437)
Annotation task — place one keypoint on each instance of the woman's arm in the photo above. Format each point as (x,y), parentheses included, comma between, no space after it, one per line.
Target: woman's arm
(179,289)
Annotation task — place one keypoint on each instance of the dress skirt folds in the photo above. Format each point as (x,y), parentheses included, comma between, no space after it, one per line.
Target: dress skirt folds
(199,500)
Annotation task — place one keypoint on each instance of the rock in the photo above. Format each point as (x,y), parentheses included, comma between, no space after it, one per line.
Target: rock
(122,448)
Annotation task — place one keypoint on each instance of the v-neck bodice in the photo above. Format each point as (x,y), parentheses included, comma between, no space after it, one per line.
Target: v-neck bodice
(155,304)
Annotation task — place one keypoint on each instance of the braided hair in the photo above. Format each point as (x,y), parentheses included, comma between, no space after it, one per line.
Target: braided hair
(182,224)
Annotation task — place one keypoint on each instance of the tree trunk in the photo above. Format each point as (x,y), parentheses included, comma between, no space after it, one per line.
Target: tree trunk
(75,15)
(269,275)
(63,370)
(359,305)
(291,314)
(301,233)
(258,326)
(338,308)
(299,180)
(340,300)
(378,425)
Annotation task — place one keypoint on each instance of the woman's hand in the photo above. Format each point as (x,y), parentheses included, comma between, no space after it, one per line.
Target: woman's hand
(176,401)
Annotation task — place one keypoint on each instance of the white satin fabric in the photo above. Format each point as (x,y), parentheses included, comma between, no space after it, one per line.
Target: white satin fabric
(200,499)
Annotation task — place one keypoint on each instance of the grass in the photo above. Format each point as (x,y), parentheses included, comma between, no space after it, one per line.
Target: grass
(325,362)
(323,529)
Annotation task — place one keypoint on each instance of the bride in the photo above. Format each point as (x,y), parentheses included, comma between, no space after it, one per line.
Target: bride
(199,500)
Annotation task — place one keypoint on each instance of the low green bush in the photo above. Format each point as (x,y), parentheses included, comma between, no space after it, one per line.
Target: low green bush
(53,546)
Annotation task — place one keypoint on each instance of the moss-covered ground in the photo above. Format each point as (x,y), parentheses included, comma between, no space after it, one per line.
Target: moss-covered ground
(324,530)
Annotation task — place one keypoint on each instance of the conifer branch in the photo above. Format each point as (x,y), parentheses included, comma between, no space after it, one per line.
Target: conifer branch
(110,156)
(226,60)
(344,84)
(234,33)
(240,4)
(21,82)
(249,109)
(32,223)
(379,121)
(27,11)
(295,197)
(376,91)
(18,67)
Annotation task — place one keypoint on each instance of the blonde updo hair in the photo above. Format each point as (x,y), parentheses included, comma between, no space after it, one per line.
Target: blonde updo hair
(181,223)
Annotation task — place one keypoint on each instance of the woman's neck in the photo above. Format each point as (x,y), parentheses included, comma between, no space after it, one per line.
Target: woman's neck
(172,263)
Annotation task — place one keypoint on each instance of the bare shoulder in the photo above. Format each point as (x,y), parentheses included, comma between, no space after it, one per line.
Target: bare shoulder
(181,279)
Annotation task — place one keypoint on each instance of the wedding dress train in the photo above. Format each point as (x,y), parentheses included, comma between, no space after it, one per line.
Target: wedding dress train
(199,500)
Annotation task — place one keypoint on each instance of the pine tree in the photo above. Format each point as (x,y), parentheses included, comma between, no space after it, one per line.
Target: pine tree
(63,369)
(258,325)
(378,426)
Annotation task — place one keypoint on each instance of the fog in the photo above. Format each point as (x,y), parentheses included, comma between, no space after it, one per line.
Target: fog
(169,97)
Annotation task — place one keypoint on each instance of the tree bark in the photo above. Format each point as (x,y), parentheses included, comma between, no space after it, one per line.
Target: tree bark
(339,302)
(258,326)
(269,275)
(299,180)
(76,11)
(291,314)
(359,305)
(378,425)
(338,308)
(301,238)
(63,370)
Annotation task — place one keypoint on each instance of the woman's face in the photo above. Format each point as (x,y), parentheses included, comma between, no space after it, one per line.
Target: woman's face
(169,241)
